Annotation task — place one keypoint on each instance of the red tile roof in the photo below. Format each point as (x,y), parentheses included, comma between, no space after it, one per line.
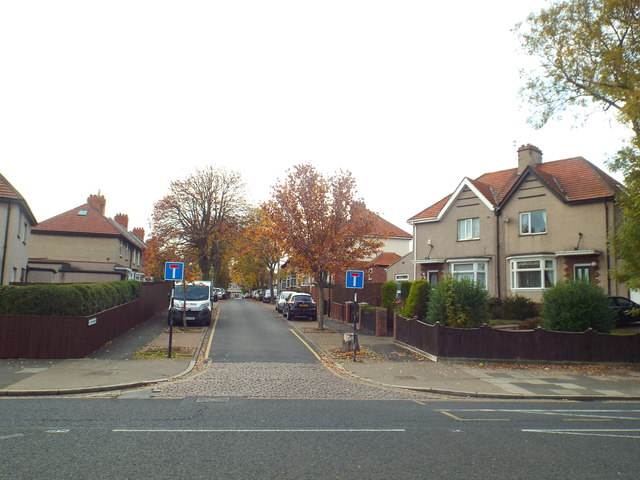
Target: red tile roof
(85,220)
(8,192)
(573,179)
(383,228)
(385,259)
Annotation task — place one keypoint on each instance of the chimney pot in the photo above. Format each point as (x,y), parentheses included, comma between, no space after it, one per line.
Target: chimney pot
(139,232)
(122,219)
(528,156)
(97,202)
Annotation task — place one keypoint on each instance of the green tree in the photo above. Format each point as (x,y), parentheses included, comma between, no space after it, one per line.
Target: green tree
(418,299)
(459,303)
(575,306)
(589,52)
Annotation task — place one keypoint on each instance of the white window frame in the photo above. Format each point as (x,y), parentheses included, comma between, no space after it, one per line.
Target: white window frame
(582,266)
(528,216)
(468,229)
(542,268)
(478,268)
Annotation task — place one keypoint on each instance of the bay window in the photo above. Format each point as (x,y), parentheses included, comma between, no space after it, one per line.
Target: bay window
(533,273)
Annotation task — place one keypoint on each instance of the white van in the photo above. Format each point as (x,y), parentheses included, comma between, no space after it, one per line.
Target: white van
(192,302)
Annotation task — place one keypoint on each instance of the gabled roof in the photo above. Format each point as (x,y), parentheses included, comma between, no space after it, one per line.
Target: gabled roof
(10,194)
(383,228)
(85,220)
(384,259)
(572,180)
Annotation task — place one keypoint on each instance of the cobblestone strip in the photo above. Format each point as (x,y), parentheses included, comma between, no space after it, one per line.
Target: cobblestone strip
(277,381)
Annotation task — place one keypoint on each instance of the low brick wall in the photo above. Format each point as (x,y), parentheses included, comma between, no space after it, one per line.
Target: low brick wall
(486,343)
(30,336)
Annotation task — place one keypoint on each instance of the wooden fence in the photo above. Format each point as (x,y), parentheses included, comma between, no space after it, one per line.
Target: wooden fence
(31,336)
(486,343)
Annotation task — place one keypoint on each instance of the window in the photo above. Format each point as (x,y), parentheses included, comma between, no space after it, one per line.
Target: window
(475,271)
(582,272)
(432,277)
(533,273)
(469,229)
(402,277)
(533,223)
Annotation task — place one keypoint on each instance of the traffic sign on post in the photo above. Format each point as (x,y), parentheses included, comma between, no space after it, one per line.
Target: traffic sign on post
(355,279)
(174,271)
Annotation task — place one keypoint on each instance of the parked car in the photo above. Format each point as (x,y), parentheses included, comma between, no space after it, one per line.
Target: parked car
(623,308)
(300,305)
(222,293)
(282,299)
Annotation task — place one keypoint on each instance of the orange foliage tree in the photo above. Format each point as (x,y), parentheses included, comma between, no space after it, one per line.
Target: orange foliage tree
(200,216)
(321,223)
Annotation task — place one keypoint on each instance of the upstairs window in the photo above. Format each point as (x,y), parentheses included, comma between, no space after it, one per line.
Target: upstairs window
(533,223)
(469,229)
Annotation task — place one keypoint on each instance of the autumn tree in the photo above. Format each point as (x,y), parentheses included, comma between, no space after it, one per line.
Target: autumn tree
(323,226)
(264,243)
(589,56)
(201,215)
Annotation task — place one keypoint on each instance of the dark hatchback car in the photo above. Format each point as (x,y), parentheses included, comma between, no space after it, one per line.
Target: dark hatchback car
(300,305)
(623,307)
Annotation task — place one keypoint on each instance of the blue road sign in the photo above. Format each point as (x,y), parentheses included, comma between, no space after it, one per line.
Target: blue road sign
(355,279)
(174,271)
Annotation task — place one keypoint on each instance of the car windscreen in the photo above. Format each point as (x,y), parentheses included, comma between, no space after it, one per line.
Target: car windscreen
(194,292)
(302,298)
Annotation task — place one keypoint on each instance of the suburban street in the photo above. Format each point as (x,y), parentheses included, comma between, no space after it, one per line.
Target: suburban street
(266,408)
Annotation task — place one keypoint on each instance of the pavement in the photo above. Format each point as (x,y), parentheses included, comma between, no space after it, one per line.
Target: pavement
(381,361)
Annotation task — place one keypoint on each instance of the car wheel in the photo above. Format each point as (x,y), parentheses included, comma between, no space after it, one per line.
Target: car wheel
(289,316)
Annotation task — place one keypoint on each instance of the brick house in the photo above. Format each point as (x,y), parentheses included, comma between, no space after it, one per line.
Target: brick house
(521,230)
(83,245)
(16,221)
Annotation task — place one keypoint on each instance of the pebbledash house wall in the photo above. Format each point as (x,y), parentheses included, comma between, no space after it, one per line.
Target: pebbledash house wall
(437,242)
(15,252)
(576,234)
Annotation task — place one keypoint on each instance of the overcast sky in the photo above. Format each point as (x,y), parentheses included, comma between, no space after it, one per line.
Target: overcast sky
(123,97)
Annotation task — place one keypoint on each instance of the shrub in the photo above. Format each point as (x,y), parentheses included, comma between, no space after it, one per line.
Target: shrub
(388,294)
(495,307)
(418,299)
(66,300)
(458,303)
(405,288)
(575,306)
(517,307)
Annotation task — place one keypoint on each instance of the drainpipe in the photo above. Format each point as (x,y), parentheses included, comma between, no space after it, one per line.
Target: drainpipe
(498,212)
(6,244)
(607,257)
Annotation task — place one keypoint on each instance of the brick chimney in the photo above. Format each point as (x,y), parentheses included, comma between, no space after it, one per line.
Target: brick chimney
(122,219)
(139,232)
(528,156)
(97,202)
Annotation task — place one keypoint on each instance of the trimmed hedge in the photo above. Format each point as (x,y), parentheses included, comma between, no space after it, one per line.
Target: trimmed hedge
(458,303)
(79,299)
(575,306)
(418,299)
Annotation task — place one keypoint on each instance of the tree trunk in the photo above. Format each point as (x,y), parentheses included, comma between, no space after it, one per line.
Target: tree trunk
(205,267)
(321,307)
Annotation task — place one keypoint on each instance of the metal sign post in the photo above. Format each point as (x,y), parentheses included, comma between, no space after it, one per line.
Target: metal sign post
(173,271)
(355,280)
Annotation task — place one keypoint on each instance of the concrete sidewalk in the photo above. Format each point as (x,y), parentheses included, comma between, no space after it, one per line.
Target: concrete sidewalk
(112,367)
(381,362)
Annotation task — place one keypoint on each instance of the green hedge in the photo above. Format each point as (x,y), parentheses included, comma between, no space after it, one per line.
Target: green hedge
(458,303)
(66,300)
(418,299)
(575,306)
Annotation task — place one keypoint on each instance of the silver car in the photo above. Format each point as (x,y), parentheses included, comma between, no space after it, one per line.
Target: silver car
(282,299)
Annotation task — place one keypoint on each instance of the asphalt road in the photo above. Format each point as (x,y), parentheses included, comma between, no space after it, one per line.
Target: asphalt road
(238,438)
(248,331)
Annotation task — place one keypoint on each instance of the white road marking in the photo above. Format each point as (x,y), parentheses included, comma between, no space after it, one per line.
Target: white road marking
(258,430)
(15,435)
(616,433)
(58,430)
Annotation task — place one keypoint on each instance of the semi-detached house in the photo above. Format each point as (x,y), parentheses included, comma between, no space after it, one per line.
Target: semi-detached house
(521,230)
